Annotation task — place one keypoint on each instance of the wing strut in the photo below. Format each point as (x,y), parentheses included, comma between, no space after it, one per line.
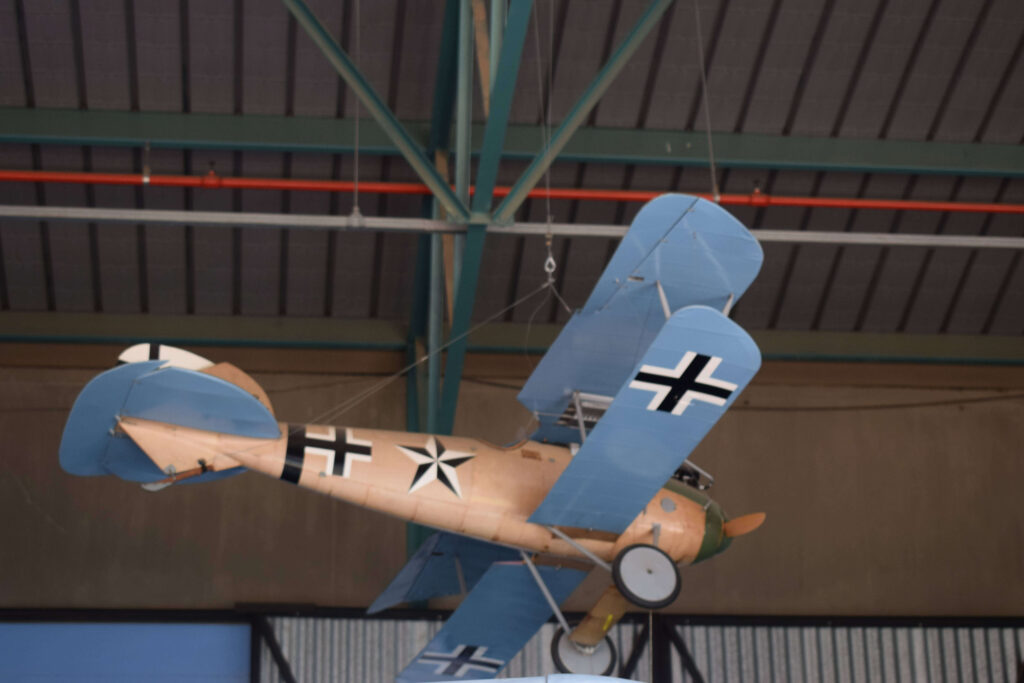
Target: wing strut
(593,558)
(546,593)
(579,416)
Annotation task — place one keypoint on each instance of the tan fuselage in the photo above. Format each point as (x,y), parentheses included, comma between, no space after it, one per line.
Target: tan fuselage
(465,486)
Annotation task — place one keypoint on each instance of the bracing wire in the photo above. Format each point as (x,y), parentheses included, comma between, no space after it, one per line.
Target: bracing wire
(352,402)
(347,405)
(355,151)
(707,103)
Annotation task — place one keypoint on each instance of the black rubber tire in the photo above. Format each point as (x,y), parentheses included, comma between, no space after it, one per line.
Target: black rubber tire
(560,665)
(636,599)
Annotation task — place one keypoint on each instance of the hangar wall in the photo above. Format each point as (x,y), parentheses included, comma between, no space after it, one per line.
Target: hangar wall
(890,490)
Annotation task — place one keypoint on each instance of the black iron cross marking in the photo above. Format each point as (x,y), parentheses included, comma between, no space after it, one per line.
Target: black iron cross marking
(462,660)
(690,379)
(340,449)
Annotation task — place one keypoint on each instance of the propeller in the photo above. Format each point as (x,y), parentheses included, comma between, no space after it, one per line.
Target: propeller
(743,525)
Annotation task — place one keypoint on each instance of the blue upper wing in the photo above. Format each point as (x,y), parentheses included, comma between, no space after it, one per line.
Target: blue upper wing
(697,253)
(492,624)
(690,375)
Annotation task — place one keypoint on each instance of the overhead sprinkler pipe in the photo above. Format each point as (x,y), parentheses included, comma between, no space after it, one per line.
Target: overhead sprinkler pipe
(213,181)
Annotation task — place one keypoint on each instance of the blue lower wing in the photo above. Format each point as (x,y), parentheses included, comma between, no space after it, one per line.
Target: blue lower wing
(437,566)
(492,624)
(695,368)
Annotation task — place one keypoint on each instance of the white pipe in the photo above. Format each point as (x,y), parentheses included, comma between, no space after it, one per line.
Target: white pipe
(374,223)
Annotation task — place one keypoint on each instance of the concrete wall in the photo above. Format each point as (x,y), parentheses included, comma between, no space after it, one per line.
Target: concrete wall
(890,490)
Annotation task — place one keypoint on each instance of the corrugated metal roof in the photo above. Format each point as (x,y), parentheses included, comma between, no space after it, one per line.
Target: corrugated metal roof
(941,70)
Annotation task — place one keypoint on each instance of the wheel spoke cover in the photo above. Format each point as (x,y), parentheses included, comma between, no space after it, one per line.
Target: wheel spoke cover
(646,576)
(571,659)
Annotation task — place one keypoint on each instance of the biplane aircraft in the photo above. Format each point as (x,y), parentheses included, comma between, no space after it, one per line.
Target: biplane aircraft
(632,384)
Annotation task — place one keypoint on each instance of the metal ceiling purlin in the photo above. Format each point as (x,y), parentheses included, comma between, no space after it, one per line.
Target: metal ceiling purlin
(409,148)
(502,90)
(174,130)
(580,110)
(276,221)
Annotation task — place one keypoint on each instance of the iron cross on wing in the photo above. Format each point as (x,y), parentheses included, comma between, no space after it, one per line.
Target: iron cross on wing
(691,379)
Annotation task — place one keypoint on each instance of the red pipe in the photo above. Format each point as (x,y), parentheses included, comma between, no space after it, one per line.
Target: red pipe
(213,181)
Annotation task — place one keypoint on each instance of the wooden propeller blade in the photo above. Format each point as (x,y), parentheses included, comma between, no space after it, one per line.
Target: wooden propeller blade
(743,525)
(601,617)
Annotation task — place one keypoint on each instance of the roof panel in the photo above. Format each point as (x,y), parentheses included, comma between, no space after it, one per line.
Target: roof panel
(934,71)
(165,269)
(23,265)
(783,65)
(1006,317)
(211,58)
(423,23)
(12,82)
(261,271)
(831,73)
(352,274)
(620,105)
(265,57)
(398,252)
(51,54)
(678,81)
(977,84)
(372,48)
(105,49)
(117,249)
(307,272)
(158,62)
(1007,123)
(316,81)
(880,77)
(578,53)
(730,72)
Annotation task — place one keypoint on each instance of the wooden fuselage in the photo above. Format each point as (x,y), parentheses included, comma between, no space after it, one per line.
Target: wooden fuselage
(466,486)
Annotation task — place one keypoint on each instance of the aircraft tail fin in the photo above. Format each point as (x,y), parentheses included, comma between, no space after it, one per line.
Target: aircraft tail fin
(218,398)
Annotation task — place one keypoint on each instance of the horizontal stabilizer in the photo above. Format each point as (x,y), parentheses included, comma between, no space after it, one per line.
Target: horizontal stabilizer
(692,372)
(680,251)
(445,564)
(492,624)
(200,401)
(93,445)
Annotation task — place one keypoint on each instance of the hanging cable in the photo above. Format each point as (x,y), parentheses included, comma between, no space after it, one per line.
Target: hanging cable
(347,405)
(356,214)
(707,103)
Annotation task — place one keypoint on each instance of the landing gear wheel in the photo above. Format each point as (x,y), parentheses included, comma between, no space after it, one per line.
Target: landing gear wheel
(571,658)
(646,576)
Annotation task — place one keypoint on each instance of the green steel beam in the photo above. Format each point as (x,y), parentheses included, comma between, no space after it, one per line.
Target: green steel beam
(427,298)
(409,148)
(506,210)
(589,145)
(444,93)
(464,101)
(496,338)
(502,89)
(417,330)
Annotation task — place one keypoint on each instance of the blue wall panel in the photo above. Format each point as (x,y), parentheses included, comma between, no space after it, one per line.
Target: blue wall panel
(124,652)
